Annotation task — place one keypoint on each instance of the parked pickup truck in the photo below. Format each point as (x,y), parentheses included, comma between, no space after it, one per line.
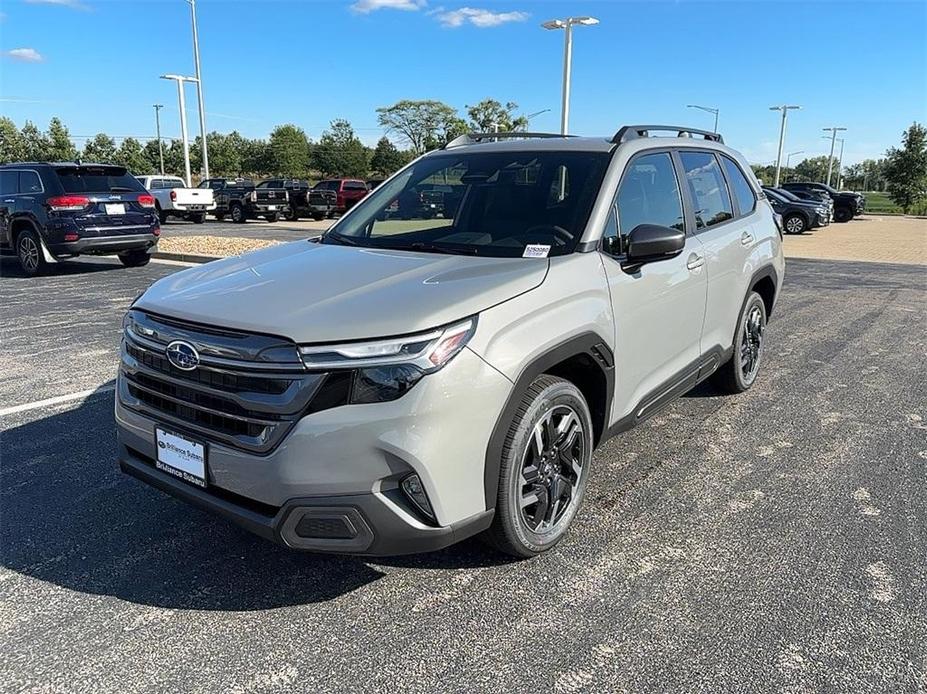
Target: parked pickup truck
(241,200)
(847,204)
(174,199)
(305,201)
(349,191)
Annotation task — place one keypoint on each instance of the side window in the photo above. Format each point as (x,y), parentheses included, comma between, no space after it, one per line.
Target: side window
(649,194)
(29,182)
(743,192)
(709,191)
(9,182)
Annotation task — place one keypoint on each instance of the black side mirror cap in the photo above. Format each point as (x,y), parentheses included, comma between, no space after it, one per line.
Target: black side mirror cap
(648,243)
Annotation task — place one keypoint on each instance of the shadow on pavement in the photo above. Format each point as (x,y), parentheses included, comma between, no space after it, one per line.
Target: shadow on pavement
(9,266)
(72,519)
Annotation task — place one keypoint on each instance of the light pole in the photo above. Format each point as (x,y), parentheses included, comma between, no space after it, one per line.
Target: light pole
(708,109)
(833,141)
(157,108)
(532,115)
(785,108)
(567,24)
(840,163)
(199,89)
(180,79)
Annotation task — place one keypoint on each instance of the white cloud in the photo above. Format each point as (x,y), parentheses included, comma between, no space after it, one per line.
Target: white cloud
(26,55)
(73,4)
(368,6)
(479,18)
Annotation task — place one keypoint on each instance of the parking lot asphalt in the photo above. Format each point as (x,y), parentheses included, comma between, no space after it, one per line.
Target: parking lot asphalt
(770,542)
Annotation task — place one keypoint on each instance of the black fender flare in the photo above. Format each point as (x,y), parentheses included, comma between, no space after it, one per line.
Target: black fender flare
(589,343)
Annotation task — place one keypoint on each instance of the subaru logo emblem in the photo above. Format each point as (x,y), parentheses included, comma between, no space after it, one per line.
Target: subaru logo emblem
(183,355)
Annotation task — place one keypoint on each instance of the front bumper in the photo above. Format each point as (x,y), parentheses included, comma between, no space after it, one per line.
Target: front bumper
(348,457)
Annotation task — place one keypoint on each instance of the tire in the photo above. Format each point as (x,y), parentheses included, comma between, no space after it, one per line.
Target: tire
(135,258)
(795,224)
(198,217)
(318,216)
(291,215)
(843,214)
(553,416)
(29,252)
(740,371)
(272,218)
(219,217)
(162,215)
(237,213)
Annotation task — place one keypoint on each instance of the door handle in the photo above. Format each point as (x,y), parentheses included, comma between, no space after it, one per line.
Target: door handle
(695,261)
(746,238)
(9,202)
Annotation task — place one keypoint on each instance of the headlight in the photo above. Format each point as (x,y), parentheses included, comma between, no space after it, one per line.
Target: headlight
(427,351)
(384,370)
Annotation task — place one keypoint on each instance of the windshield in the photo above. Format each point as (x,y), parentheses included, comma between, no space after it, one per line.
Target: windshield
(97,179)
(491,204)
(789,196)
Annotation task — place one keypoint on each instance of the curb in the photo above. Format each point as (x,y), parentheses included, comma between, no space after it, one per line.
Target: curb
(185,257)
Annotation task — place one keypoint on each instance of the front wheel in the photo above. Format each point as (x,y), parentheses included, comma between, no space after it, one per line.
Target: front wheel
(29,251)
(135,258)
(740,371)
(795,224)
(545,466)
(238,214)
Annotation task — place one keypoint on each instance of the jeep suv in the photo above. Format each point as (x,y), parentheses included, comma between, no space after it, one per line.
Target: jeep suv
(397,385)
(49,212)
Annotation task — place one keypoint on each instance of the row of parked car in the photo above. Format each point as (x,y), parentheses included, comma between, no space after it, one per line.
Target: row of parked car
(240,199)
(808,205)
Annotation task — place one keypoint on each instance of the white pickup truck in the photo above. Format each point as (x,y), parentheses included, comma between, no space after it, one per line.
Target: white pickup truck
(174,199)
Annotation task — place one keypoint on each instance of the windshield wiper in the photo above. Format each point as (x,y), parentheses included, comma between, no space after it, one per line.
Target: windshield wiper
(424,247)
(340,239)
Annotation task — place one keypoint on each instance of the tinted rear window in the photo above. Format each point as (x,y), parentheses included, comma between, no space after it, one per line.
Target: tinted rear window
(87,179)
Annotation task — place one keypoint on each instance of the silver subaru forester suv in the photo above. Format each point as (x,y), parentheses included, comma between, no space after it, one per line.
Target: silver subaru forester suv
(446,358)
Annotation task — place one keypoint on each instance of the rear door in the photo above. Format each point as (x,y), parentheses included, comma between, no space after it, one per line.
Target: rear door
(658,308)
(104,200)
(724,224)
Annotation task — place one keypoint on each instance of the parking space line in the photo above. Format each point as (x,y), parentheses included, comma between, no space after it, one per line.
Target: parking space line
(48,402)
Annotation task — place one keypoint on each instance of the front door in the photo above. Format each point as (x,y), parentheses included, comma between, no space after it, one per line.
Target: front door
(660,307)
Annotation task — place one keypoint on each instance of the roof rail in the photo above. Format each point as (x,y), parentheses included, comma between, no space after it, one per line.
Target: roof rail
(633,132)
(476,138)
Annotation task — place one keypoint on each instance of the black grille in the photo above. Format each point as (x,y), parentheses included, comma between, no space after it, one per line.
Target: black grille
(212,421)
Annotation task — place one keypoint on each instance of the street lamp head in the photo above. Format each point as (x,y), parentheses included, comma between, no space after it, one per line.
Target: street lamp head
(585,21)
(554,24)
(569,21)
(179,78)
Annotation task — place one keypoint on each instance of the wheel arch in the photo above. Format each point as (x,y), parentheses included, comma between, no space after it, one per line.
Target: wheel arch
(586,361)
(765,282)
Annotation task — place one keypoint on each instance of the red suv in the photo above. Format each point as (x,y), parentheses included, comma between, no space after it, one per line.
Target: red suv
(348,190)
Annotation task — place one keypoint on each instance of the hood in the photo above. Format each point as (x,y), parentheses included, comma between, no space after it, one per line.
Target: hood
(311,292)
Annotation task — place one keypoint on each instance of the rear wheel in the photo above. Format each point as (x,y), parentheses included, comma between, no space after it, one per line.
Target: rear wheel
(795,224)
(162,215)
(272,217)
(29,251)
(318,216)
(291,215)
(740,371)
(135,258)
(545,466)
(219,217)
(198,217)
(237,213)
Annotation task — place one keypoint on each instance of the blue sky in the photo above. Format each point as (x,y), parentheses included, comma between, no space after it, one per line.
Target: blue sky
(95,64)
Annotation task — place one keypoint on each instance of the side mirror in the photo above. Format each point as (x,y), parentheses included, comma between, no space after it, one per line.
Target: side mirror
(648,243)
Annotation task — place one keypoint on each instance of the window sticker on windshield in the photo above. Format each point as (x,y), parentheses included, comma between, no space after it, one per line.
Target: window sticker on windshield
(536,251)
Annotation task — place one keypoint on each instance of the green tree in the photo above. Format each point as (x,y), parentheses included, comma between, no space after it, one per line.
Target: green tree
(765,173)
(100,150)
(131,155)
(60,146)
(257,158)
(490,115)
(386,158)
(225,153)
(152,158)
(289,148)
(420,124)
(813,169)
(12,144)
(36,146)
(339,151)
(906,168)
